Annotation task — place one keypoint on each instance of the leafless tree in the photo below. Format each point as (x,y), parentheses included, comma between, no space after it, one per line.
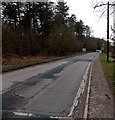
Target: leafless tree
(100,6)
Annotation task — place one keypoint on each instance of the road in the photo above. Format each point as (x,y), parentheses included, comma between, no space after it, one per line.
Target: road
(50,89)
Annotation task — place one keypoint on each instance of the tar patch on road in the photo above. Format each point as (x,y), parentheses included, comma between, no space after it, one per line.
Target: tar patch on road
(51,73)
(85,60)
(30,83)
(11,101)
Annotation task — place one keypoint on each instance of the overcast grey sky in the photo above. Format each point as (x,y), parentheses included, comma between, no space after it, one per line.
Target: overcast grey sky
(83,9)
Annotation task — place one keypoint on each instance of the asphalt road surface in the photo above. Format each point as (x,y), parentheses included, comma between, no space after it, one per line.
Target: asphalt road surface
(47,90)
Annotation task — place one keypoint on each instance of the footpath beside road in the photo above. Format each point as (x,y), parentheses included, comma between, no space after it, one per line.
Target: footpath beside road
(101,99)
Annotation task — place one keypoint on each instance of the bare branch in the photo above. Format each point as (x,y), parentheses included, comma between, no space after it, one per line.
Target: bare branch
(102,14)
(112,12)
(99,5)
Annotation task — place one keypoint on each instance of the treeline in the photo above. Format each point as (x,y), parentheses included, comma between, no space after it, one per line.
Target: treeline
(41,28)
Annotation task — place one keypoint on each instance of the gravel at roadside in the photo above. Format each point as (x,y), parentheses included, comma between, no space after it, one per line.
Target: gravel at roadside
(101,99)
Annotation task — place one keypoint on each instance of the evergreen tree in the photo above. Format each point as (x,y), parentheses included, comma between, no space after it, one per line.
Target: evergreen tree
(61,13)
(79,28)
(10,13)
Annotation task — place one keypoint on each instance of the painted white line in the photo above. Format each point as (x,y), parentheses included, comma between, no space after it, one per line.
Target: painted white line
(87,97)
(69,118)
(80,91)
(22,114)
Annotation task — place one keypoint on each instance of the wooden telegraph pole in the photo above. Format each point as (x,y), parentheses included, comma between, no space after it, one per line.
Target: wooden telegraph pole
(107,27)
(108,32)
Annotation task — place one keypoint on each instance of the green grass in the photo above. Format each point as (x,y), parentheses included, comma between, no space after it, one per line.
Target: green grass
(109,70)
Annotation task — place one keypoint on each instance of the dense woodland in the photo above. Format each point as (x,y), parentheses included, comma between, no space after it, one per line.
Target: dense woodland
(41,28)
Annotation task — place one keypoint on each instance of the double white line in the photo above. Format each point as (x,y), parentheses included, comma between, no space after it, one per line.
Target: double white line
(80,91)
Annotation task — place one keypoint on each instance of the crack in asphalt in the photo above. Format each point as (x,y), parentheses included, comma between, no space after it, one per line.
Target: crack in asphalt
(17,95)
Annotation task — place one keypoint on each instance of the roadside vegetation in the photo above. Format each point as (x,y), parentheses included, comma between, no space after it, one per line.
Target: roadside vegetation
(19,63)
(109,70)
(15,64)
(31,29)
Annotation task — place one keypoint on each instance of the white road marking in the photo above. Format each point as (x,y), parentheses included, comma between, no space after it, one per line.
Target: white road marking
(22,114)
(80,91)
(69,118)
(87,98)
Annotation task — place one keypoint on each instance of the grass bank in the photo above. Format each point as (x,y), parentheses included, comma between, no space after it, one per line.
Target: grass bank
(30,62)
(109,70)
(7,68)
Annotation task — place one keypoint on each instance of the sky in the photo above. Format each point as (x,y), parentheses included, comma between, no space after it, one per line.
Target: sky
(83,9)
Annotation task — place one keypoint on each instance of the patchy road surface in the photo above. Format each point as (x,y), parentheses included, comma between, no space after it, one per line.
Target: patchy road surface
(47,90)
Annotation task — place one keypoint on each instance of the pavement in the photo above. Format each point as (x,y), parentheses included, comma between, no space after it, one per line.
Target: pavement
(101,99)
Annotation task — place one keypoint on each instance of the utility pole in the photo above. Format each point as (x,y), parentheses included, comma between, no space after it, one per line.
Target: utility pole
(108,32)
(107,26)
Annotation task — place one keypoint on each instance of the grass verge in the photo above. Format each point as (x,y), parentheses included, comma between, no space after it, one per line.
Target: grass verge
(109,71)
(7,68)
